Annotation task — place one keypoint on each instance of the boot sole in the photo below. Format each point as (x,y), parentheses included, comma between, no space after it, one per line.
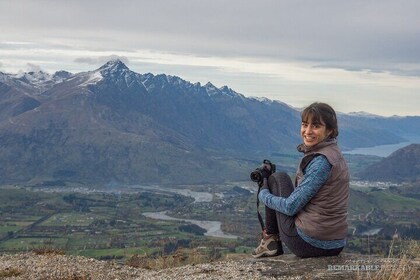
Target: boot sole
(266,254)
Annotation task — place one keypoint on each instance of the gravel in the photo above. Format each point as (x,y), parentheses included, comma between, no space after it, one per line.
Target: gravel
(61,267)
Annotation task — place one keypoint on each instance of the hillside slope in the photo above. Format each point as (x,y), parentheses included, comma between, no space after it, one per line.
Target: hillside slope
(401,166)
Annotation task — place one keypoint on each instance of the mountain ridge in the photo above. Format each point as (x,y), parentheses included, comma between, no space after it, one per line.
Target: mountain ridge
(113,124)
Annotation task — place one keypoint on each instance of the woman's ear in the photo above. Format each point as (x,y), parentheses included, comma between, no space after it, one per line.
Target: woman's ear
(329,133)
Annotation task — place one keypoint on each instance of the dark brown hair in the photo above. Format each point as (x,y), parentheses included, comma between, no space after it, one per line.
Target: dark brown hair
(321,113)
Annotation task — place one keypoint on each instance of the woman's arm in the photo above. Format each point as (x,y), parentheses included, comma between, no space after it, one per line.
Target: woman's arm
(315,175)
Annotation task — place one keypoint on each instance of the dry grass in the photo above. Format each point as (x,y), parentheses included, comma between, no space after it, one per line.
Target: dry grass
(70,277)
(55,251)
(405,265)
(179,258)
(48,251)
(10,272)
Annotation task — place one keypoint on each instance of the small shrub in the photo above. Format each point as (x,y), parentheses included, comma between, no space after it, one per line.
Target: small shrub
(139,261)
(9,272)
(48,251)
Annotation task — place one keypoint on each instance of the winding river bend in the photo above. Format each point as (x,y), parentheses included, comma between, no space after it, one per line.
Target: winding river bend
(213,228)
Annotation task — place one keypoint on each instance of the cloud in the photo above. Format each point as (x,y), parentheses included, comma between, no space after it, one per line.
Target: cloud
(289,50)
(100,59)
(335,31)
(402,70)
(30,67)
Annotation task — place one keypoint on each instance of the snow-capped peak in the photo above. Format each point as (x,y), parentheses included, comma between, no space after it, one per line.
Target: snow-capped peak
(264,100)
(116,72)
(229,92)
(113,67)
(222,91)
(211,89)
(34,77)
(35,82)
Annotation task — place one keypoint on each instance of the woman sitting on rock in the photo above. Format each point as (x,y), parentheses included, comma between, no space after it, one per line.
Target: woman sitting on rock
(309,218)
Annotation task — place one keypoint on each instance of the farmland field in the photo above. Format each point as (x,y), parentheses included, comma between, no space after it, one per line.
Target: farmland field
(109,224)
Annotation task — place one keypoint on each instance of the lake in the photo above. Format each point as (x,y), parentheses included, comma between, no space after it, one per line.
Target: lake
(383,150)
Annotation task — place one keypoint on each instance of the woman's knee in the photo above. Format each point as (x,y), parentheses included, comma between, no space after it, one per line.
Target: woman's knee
(283,177)
(280,183)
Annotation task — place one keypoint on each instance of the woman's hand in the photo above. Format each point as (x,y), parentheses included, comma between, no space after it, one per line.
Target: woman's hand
(264,184)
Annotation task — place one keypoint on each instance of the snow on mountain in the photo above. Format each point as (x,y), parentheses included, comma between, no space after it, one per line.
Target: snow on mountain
(364,114)
(230,92)
(3,77)
(118,73)
(114,124)
(35,78)
(264,100)
(34,82)
(23,85)
(114,68)
(211,89)
(92,78)
(60,76)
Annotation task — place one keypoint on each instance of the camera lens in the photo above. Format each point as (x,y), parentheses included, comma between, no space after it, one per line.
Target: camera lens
(256,176)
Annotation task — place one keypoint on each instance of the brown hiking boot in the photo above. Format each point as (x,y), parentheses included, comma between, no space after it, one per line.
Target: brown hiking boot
(270,246)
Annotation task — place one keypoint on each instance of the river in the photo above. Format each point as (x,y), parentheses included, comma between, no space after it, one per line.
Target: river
(213,228)
(371,232)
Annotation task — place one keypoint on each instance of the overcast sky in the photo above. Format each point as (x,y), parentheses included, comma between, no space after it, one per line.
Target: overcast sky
(356,55)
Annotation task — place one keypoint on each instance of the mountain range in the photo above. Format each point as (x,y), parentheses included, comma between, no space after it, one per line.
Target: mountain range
(115,125)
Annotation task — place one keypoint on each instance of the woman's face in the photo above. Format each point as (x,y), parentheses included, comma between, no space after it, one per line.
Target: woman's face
(313,133)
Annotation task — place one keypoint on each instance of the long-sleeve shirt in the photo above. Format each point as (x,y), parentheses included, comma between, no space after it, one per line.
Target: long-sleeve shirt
(315,175)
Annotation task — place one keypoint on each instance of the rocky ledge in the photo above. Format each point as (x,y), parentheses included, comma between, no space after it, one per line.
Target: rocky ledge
(346,266)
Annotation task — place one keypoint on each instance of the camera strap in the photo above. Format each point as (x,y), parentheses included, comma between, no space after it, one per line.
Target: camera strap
(258,210)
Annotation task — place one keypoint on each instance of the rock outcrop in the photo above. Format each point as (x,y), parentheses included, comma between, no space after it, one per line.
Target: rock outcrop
(346,266)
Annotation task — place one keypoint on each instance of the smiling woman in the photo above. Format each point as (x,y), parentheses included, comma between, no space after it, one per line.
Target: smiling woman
(314,128)
(310,217)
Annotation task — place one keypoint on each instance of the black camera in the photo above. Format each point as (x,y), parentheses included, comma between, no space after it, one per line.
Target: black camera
(264,171)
